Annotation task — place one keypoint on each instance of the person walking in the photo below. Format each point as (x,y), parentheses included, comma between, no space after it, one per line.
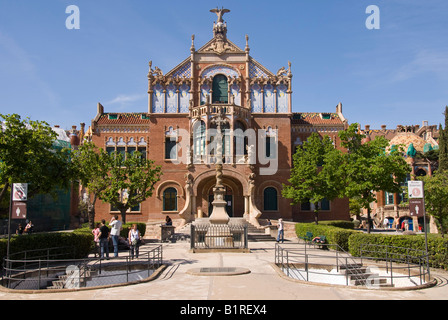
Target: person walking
(103,237)
(281,233)
(134,240)
(116,227)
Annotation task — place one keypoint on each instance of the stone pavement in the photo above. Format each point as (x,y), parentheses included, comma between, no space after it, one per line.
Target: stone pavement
(262,283)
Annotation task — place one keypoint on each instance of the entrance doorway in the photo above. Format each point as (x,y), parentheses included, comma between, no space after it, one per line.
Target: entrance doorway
(228,198)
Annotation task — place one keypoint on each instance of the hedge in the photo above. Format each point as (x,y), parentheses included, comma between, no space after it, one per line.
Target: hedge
(335,235)
(351,240)
(437,246)
(81,240)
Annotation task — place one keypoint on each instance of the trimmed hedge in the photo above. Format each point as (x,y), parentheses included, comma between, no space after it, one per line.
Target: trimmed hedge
(81,240)
(437,246)
(335,235)
(351,240)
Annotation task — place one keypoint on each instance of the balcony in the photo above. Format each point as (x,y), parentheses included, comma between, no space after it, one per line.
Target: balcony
(230,110)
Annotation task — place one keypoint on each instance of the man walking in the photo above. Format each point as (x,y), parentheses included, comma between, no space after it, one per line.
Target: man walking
(280,235)
(115,225)
(103,236)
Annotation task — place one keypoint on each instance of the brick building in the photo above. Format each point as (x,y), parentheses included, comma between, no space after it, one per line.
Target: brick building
(218,82)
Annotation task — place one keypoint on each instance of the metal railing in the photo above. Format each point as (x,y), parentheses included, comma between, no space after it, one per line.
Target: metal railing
(410,261)
(209,236)
(55,273)
(298,262)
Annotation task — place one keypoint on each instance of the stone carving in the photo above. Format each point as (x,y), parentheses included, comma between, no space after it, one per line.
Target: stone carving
(220,13)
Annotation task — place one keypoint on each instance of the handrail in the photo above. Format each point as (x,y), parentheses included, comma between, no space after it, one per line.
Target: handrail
(38,270)
(288,257)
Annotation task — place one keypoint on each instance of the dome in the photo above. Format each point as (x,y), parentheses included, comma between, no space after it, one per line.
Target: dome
(407,139)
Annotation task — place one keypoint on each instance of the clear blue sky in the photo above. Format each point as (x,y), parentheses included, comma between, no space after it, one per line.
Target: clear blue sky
(395,75)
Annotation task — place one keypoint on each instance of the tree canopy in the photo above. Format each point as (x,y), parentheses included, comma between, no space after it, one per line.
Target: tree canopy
(314,175)
(369,167)
(122,180)
(28,154)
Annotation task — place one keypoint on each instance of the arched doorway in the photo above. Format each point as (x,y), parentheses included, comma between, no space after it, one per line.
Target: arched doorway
(228,198)
(220,89)
(236,192)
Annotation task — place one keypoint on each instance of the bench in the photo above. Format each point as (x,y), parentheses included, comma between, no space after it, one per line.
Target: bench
(307,237)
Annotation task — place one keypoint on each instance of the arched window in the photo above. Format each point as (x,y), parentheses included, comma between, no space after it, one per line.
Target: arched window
(220,89)
(270,199)
(170,199)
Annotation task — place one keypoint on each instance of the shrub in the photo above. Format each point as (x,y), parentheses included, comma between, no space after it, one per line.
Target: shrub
(437,246)
(334,235)
(80,240)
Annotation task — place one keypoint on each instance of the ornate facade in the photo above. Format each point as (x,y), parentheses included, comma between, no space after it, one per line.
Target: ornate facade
(260,133)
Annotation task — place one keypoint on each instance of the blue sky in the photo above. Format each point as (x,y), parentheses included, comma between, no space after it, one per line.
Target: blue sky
(395,75)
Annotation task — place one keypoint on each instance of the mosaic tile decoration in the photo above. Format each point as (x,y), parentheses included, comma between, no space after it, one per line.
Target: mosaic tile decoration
(184,71)
(256,98)
(171,99)
(235,90)
(184,99)
(282,100)
(158,99)
(214,70)
(256,72)
(269,99)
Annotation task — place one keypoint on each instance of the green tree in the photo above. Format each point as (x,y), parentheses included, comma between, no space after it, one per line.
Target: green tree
(443,144)
(92,169)
(130,181)
(28,155)
(368,168)
(436,198)
(315,174)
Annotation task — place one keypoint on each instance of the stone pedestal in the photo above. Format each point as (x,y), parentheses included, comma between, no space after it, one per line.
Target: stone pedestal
(219,214)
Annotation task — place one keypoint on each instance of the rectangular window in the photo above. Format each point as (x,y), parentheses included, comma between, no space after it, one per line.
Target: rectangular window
(122,151)
(305,206)
(170,148)
(325,205)
(110,150)
(142,150)
(131,150)
(389,198)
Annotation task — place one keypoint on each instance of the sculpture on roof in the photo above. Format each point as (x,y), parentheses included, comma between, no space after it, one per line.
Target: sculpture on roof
(220,13)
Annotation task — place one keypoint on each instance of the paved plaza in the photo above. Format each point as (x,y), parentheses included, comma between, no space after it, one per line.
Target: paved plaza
(176,282)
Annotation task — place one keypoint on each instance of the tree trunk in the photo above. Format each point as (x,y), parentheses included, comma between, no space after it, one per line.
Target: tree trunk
(2,193)
(316,213)
(123,214)
(91,216)
(369,220)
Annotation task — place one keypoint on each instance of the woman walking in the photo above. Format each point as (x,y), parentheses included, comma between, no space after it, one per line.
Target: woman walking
(134,240)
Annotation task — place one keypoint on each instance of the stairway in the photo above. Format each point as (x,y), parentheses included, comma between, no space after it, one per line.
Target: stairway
(80,278)
(360,275)
(255,234)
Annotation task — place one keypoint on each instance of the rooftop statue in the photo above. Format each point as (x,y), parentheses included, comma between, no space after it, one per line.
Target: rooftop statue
(220,13)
